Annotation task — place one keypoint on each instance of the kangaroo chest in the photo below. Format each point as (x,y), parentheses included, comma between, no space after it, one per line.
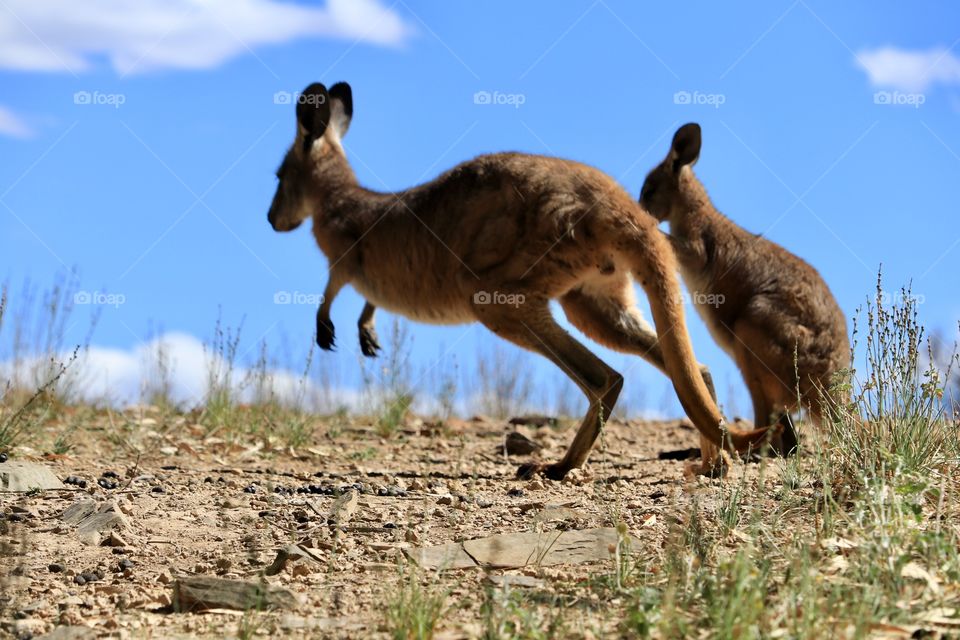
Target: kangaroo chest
(708,301)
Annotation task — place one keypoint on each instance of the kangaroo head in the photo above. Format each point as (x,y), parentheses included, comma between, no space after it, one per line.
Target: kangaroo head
(663,189)
(322,120)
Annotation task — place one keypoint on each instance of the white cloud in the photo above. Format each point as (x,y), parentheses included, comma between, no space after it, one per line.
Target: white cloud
(123,377)
(910,70)
(11,125)
(142,35)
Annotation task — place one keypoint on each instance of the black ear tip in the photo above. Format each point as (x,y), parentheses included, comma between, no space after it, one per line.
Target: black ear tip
(344,93)
(314,88)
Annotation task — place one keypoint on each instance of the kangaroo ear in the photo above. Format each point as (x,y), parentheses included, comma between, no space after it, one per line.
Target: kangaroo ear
(341,107)
(313,110)
(686,146)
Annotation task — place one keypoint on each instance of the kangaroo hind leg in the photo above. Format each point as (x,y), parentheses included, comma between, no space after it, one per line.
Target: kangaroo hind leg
(532,327)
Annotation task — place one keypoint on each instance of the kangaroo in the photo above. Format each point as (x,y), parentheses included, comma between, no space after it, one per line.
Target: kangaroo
(762,304)
(493,240)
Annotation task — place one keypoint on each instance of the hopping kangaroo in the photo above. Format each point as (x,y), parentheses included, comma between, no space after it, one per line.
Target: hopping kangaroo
(514,227)
(767,305)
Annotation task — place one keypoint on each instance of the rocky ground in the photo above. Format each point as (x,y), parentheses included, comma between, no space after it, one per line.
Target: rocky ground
(154,503)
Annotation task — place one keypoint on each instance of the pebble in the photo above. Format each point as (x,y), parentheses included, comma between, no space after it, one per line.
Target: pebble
(3,457)
(56,567)
(107,483)
(76,481)
(250,488)
(516,492)
(157,489)
(110,474)
(125,564)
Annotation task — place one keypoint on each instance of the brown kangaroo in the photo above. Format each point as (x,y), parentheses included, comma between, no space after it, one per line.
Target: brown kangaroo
(762,304)
(494,240)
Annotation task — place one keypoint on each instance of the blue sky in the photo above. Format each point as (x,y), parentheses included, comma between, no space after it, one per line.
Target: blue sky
(139,144)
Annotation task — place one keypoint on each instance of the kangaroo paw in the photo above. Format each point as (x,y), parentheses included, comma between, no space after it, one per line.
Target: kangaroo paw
(325,335)
(368,342)
(531,469)
(785,442)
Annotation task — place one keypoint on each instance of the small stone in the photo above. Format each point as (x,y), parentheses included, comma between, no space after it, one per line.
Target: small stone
(56,567)
(300,569)
(4,457)
(446,500)
(517,444)
(114,540)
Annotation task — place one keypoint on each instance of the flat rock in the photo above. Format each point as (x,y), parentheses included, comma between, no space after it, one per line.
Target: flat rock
(516,550)
(513,550)
(193,594)
(443,556)
(70,632)
(20,477)
(510,581)
(93,519)
(78,511)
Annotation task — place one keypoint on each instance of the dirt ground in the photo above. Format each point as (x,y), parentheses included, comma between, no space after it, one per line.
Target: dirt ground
(195,504)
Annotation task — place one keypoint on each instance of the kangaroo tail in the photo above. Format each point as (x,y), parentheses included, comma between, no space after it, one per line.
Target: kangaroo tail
(654,267)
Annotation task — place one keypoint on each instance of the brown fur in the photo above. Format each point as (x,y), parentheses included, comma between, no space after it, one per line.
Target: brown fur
(505,224)
(762,303)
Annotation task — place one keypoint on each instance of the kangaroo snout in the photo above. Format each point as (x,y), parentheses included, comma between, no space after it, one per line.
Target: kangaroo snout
(279,223)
